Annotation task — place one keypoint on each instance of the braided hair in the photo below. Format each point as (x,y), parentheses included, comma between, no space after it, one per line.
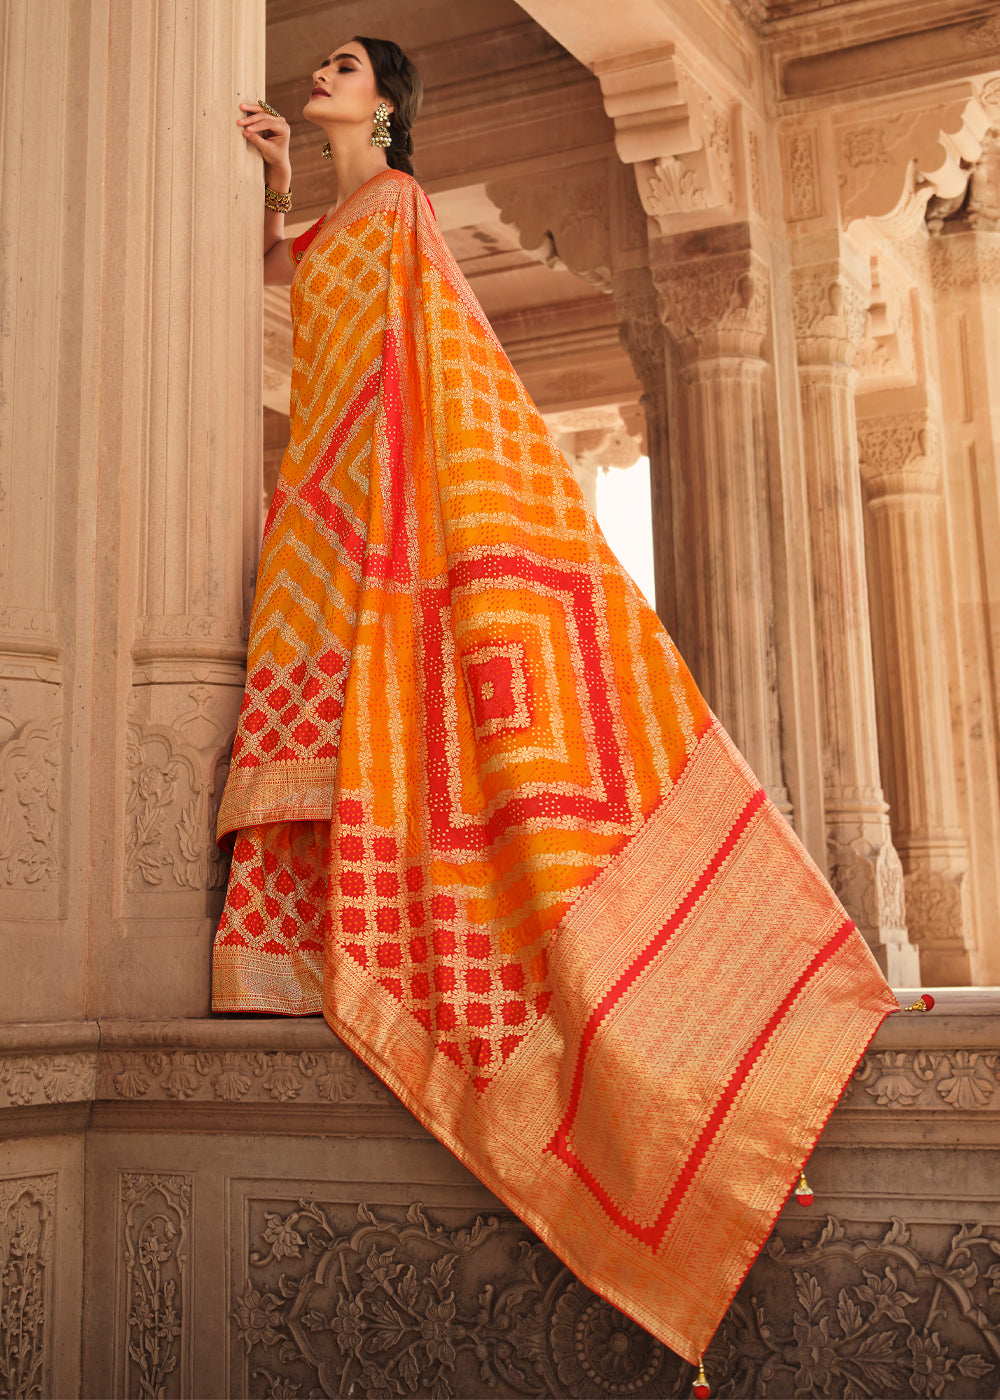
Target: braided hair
(397,80)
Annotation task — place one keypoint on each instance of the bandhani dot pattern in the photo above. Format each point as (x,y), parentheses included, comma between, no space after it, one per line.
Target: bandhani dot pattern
(483,820)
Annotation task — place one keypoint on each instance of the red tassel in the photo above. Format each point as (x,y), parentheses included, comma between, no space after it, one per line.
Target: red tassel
(803,1192)
(702,1389)
(924,1002)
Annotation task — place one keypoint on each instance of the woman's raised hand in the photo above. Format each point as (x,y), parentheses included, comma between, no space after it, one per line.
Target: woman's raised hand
(268,132)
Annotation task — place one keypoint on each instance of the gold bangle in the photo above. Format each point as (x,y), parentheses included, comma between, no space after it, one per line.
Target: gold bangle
(278,203)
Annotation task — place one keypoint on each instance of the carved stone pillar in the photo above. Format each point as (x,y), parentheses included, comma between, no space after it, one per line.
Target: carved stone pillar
(965,267)
(180,483)
(39,292)
(830,316)
(901,468)
(717,308)
(642,335)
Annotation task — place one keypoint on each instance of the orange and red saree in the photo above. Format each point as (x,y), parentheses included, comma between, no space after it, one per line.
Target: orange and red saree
(484,820)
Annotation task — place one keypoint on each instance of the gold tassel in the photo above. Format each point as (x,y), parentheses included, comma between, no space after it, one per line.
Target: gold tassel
(702,1389)
(803,1192)
(922,1003)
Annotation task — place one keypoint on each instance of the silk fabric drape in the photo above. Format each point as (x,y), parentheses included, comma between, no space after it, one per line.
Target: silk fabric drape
(486,823)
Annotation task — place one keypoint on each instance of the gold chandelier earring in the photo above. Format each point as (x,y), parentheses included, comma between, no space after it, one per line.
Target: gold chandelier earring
(327,153)
(381,136)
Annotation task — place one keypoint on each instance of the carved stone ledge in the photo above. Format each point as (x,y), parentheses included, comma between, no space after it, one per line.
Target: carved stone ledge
(48,1064)
(330,1076)
(956,1081)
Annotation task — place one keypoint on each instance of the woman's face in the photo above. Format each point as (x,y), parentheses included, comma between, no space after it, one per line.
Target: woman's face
(344,88)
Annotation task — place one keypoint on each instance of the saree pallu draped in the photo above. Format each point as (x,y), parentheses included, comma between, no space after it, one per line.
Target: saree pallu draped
(486,823)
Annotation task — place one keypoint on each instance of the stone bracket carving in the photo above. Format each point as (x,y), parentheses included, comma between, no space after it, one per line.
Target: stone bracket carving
(680,137)
(890,164)
(563,224)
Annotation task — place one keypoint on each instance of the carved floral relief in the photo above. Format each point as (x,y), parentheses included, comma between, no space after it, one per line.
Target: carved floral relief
(716,305)
(153,1325)
(337,1300)
(30,772)
(173,802)
(375,1301)
(27,1220)
(963,1080)
(855,1310)
(38,1079)
(800,168)
(830,312)
(239,1076)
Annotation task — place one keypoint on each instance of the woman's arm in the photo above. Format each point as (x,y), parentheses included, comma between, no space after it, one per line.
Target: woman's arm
(270,134)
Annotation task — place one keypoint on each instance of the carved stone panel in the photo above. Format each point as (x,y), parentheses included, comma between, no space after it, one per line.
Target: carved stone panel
(173,800)
(30,769)
(336,1298)
(332,1298)
(27,1222)
(845,1308)
(153,1314)
(800,174)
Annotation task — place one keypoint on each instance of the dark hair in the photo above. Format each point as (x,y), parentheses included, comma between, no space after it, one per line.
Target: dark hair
(397,80)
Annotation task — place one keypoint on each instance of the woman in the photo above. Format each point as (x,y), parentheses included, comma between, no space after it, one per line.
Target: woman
(482,817)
